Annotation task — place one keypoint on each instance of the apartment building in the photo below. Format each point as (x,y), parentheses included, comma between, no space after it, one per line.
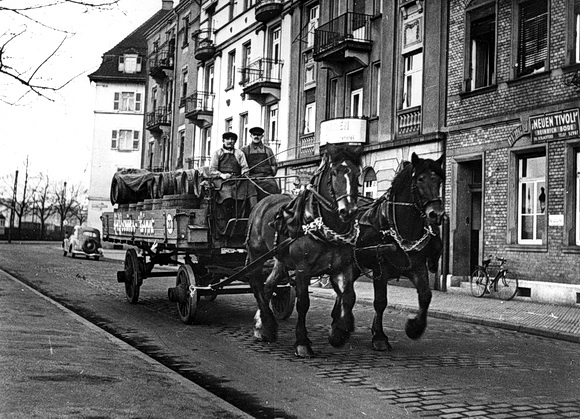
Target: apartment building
(118,114)
(513,145)
(216,68)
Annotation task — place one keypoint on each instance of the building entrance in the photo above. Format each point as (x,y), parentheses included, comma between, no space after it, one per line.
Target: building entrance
(468,237)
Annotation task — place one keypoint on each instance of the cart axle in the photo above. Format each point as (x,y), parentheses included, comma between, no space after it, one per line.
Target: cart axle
(121,277)
(177,294)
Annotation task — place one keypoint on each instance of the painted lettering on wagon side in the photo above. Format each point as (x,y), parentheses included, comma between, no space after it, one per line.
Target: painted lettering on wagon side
(145,225)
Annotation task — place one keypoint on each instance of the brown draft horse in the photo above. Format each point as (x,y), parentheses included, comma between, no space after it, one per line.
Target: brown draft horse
(399,236)
(322,228)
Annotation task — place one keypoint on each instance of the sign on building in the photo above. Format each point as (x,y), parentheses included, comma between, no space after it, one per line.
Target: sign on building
(343,130)
(555,126)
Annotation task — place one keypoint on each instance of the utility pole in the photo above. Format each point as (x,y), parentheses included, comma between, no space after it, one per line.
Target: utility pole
(13,208)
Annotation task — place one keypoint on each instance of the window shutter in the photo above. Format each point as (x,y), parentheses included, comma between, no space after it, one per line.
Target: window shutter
(135,140)
(138,101)
(114,139)
(533,37)
(116,101)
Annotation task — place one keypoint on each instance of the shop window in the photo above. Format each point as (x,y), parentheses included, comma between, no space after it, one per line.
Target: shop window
(532,53)
(480,47)
(532,199)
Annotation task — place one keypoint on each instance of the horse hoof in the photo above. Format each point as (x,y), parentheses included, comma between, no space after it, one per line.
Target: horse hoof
(303,351)
(264,336)
(414,329)
(338,338)
(382,345)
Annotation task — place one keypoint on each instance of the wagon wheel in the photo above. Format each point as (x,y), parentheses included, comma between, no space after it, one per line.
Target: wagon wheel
(188,308)
(282,302)
(133,276)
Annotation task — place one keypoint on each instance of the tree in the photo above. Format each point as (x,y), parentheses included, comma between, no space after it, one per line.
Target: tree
(26,14)
(42,207)
(64,201)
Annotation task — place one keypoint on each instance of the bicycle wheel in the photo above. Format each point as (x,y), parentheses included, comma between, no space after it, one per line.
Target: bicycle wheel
(478,283)
(507,286)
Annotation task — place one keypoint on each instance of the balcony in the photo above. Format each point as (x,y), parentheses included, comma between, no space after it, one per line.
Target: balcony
(307,146)
(261,80)
(161,63)
(199,108)
(345,38)
(159,118)
(409,120)
(204,46)
(267,10)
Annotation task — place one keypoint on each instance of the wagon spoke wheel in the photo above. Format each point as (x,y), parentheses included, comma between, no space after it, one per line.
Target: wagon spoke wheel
(187,308)
(282,302)
(133,276)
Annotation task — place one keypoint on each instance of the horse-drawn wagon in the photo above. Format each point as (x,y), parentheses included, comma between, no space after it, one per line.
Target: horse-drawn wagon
(171,220)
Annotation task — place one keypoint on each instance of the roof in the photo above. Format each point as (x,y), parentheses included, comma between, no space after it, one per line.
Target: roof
(136,42)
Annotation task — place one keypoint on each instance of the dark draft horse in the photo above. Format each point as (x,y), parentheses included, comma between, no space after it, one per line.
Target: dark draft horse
(399,236)
(320,226)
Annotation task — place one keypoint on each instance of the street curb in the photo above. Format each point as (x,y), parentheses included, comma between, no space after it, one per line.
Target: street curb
(438,314)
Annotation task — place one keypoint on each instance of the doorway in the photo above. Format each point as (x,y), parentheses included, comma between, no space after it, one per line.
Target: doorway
(468,235)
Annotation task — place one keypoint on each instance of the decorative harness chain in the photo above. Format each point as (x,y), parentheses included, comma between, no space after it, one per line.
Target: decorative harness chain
(320,231)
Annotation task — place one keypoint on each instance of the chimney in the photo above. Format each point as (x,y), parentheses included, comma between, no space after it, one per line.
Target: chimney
(166,4)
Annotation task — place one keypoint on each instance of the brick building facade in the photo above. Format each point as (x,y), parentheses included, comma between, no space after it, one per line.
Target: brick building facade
(513,141)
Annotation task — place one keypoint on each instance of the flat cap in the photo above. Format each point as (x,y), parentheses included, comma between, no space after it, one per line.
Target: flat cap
(257,131)
(230,135)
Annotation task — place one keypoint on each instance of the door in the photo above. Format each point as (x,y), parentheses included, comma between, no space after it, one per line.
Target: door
(467,233)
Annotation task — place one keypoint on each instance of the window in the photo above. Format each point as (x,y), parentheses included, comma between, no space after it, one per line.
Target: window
(232,4)
(185,31)
(313,16)
(127,101)
(356,82)
(129,63)
(370,183)
(244,129)
(272,137)
(248,4)
(180,149)
(275,45)
(376,89)
(205,144)
(125,140)
(532,199)
(532,55)
(332,106)
(184,84)
(228,125)
(413,80)
(231,69)
(310,74)
(310,118)
(481,47)
(576,56)
(246,58)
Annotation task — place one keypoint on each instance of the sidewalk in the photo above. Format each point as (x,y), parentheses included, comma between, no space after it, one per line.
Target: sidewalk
(554,321)
(55,364)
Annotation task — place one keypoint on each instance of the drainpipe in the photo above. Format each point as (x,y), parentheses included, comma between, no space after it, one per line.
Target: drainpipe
(445,254)
(174,95)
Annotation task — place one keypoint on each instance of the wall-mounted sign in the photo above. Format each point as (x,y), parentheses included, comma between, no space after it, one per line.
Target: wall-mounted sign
(516,134)
(343,130)
(556,220)
(555,126)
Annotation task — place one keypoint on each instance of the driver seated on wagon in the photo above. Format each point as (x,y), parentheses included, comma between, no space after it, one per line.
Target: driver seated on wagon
(227,165)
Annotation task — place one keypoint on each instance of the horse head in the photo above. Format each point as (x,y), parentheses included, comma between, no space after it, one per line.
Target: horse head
(427,176)
(345,167)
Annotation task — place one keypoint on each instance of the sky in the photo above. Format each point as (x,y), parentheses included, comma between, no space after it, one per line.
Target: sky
(56,136)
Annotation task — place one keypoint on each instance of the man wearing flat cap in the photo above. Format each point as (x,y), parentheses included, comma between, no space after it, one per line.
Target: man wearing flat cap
(262,164)
(227,165)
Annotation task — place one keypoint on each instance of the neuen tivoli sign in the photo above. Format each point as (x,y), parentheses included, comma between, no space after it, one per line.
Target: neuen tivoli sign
(343,130)
(555,126)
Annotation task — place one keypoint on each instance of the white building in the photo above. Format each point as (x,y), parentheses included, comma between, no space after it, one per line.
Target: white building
(119,109)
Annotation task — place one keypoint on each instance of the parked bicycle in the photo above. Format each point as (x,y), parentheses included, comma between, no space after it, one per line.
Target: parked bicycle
(504,284)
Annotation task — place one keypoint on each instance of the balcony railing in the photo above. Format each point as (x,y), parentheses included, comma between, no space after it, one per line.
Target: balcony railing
(160,116)
(347,27)
(409,120)
(267,10)
(307,146)
(263,70)
(204,45)
(199,102)
(161,59)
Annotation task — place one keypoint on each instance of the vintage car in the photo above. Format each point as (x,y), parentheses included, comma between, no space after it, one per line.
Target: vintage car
(84,241)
